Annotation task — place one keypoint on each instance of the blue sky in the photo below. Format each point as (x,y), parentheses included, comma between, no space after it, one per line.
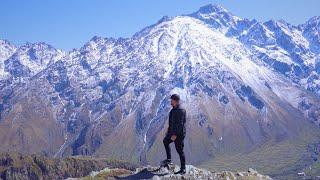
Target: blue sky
(68,24)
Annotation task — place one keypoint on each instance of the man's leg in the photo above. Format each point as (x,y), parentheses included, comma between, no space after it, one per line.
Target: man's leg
(179,144)
(166,141)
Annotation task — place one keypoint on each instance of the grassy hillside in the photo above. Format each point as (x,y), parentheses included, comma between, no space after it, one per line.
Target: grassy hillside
(281,160)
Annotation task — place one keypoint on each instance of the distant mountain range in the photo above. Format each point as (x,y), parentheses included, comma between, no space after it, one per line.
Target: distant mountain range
(251,91)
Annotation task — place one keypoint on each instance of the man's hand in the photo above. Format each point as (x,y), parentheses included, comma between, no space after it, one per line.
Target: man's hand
(173,137)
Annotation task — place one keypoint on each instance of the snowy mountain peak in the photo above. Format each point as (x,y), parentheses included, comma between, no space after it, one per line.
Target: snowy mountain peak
(38,46)
(311,31)
(212,8)
(6,49)
(312,25)
(4,42)
(96,38)
(216,16)
(31,58)
(273,24)
(164,18)
(315,20)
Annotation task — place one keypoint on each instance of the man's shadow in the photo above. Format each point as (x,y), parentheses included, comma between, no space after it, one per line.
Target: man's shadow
(143,174)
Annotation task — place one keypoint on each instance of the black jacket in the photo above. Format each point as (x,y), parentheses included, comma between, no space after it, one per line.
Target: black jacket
(177,121)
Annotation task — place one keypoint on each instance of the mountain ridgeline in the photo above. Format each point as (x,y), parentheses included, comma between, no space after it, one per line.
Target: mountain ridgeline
(251,90)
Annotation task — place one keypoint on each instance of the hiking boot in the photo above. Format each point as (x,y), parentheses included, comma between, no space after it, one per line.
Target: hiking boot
(182,171)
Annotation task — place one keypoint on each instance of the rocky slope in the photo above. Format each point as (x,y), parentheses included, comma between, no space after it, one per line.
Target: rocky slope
(251,91)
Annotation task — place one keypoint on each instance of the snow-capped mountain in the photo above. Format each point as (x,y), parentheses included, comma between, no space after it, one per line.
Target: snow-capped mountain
(245,85)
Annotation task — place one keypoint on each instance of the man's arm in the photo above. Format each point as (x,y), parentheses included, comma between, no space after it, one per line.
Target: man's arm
(184,122)
(169,131)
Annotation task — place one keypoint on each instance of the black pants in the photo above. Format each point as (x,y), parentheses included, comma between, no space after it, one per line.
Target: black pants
(179,147)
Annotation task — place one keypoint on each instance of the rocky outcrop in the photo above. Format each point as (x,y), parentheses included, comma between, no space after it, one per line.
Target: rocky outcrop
(156,173)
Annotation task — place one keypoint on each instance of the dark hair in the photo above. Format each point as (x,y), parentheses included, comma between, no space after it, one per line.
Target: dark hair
(175,97)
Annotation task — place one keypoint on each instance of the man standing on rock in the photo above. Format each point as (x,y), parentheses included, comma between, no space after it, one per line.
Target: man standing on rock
(176,132)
